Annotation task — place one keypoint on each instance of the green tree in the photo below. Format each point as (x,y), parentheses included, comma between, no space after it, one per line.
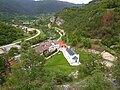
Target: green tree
(98,82)
(27,74)
(73,39)
(87,43)
(8,34)
(60,78)
(116,70)
(13,51)
(25,46)
(91,66)
(3,68)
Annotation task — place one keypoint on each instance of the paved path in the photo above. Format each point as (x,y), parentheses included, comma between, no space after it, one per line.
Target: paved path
(7,47)
(51,55)
(38,33)
(60,31)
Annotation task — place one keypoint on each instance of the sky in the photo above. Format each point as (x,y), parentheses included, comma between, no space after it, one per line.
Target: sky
(77,1)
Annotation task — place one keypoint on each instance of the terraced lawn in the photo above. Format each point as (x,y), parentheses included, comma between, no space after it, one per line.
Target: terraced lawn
(84,55)
(59,63)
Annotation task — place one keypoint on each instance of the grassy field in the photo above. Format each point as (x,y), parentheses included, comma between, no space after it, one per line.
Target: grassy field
(84,55)
(59,63)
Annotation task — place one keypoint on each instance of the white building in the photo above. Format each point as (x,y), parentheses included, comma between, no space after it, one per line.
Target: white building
(53,47)
(71,56)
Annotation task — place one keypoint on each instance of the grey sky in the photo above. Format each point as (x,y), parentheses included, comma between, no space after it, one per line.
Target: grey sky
(77,1)
(74,1)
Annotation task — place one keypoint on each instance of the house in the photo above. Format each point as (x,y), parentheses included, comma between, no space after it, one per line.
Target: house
(71,56)
(24,27)
(10,62)
(14,25)
(28,30)
(44,46)
(49,45)
(17,57)
(54,45)
(26,23)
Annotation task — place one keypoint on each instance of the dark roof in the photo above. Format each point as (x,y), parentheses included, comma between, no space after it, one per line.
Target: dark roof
(70,51)
(75,58)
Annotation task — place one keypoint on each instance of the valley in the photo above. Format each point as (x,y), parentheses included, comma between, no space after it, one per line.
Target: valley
(60,46)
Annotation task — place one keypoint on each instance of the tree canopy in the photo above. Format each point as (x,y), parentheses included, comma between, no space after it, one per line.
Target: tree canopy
(8,34)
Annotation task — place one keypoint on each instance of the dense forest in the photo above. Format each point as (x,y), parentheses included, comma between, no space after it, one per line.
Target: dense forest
(8,34)
(32,7)
(98,20)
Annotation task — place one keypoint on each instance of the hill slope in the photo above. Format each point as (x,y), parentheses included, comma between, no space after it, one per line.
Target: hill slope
(32,7)
(8,34)
(99,19)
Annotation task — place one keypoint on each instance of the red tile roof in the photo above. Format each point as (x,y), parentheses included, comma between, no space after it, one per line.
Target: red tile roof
(44,46)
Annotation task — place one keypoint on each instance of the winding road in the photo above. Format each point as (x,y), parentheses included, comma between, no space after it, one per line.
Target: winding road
(60,31)
(38,33)
(6,48)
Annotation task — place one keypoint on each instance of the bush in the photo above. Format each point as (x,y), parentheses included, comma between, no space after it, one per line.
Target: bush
(8,34)
(87,43)
(49,53)
(61,78)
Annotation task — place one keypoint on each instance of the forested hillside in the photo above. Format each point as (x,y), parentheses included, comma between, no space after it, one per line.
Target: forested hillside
(8,34)
(32,7)
(99,19)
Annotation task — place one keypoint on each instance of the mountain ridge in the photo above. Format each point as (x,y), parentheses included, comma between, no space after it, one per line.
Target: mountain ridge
(33,7)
